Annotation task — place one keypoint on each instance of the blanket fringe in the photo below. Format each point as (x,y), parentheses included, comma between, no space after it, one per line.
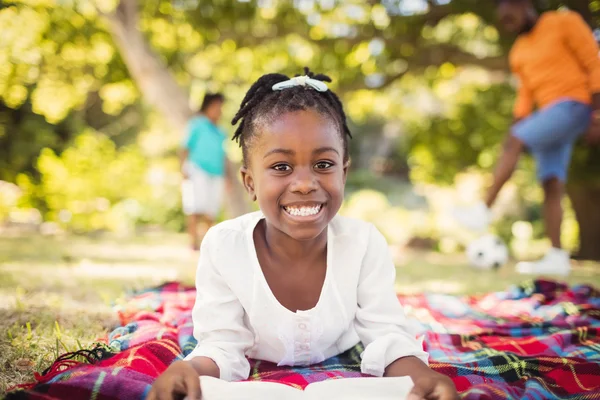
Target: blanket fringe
(67,361)
(99,352)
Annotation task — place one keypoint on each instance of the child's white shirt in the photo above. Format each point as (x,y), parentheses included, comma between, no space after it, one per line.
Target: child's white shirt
(236,314)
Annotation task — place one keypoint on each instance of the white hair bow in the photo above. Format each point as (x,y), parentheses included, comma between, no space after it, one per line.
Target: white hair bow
(301,81)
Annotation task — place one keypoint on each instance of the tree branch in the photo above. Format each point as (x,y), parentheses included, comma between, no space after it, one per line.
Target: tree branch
(145,66)
(437,55)
(441,53)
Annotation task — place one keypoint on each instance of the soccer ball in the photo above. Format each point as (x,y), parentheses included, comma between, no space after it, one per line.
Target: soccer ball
(487,252)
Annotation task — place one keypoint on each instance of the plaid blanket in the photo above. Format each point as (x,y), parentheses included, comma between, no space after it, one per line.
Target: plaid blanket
(536,341)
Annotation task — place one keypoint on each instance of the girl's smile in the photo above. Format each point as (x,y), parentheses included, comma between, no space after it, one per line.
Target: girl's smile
(304,212)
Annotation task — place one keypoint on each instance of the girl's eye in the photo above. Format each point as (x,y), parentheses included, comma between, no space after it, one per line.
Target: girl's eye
(282,168)
(323,165)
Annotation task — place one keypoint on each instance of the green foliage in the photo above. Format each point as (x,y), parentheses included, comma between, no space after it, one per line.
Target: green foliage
(62,75)
(469,135)
(57,56)
(93,185)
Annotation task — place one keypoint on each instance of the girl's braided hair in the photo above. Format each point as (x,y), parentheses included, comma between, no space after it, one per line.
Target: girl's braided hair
(262,104)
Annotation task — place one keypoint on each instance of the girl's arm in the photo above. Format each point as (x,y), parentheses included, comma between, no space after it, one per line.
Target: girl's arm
(205,366)
(380,321)
(407,366)
(218,318)
(391,347)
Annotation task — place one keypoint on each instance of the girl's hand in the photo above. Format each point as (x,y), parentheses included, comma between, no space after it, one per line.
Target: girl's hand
(433,386)
(180,379)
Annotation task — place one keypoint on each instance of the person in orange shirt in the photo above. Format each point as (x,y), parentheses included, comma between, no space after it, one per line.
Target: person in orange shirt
(555,59)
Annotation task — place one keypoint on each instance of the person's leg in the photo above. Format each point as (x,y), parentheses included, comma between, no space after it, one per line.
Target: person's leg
(208,220)
(214,199)
(195,203)
(552,165)
(556,261)
(553,212)
(543,132)
(478,217)
(188,202)
(209,200)
(192,228)
(206,223)
(507,163)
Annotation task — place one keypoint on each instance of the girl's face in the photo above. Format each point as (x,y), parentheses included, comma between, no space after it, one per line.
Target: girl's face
(296,172)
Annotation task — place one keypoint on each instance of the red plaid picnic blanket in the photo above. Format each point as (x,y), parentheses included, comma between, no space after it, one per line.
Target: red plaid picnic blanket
(538,340)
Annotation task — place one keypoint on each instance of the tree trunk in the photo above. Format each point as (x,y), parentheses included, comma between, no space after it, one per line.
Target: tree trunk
(159,87)
(586,200)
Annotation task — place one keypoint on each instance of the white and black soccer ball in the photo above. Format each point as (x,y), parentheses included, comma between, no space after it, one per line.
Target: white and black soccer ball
(487,252)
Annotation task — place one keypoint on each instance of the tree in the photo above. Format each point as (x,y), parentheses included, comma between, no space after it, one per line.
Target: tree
(59,75)
(392,36)
(108,60)
(229,20)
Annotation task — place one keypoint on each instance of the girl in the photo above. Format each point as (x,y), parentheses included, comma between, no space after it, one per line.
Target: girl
(294,284)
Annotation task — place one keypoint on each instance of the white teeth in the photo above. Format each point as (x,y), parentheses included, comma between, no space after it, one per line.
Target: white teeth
(303,211)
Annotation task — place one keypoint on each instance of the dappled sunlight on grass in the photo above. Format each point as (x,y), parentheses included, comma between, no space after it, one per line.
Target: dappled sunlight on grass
(430,272)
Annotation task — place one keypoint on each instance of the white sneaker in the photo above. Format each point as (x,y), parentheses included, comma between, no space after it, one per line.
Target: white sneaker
(476,218)
(555,262)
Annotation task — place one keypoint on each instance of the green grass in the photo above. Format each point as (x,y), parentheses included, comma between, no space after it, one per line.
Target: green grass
(436,273)
(64,288)
(56,293)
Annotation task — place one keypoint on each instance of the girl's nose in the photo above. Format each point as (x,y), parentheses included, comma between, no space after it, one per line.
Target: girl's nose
(304,182)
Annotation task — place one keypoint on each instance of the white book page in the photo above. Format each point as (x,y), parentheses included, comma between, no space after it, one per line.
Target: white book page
(344,388)
(396,388)
(218,389)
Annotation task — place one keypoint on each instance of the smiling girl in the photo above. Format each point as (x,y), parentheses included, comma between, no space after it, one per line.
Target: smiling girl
(295,284)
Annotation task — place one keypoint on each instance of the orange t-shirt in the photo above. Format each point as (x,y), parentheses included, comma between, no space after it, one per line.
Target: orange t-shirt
(557,59)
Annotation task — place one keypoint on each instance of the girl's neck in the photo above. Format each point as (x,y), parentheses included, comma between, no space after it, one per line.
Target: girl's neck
(285,248)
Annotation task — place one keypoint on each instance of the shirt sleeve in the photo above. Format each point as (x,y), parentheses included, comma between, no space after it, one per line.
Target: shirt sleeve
(581,40)
(380,321)
(524,101)
(218,318)
(191,134)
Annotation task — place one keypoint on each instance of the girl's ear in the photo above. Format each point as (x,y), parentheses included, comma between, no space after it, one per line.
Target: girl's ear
(248,182)
(346,166)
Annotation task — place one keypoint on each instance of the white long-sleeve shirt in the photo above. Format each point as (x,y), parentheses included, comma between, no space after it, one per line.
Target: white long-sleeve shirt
(236,314)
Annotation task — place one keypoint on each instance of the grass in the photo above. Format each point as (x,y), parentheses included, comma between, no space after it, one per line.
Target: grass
(56,293)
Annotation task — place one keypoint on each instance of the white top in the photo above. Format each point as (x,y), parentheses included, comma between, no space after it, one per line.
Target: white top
(236,314)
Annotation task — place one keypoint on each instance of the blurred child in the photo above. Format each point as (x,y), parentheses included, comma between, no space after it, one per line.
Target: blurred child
(203,164)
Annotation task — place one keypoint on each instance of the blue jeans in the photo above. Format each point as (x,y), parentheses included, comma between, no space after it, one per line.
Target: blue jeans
(550,134)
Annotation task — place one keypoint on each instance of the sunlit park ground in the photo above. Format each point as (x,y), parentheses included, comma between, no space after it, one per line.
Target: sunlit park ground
(56,293)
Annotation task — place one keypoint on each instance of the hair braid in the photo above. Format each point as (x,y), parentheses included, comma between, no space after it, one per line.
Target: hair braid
(261,102)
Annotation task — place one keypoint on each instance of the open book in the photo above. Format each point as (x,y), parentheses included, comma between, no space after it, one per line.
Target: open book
(343,388)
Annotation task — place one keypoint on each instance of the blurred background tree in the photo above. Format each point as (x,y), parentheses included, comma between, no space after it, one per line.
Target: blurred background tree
(425,83)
